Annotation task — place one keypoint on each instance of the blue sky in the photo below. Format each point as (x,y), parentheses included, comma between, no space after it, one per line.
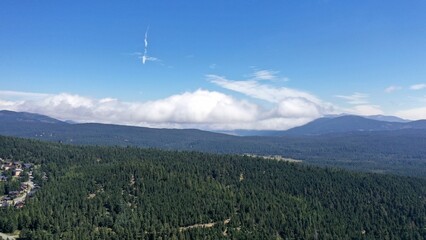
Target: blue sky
(218,64)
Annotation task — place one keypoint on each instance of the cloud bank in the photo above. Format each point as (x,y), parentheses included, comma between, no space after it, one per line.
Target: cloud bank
(198,109)
(259,105)
(201,107)
(264,107)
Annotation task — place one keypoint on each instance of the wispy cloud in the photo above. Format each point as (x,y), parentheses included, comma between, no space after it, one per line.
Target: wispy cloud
(148,58)
(413,113)
(364,110)
(261,91)
(21,95)
(392,89)
(360,105)
(419,86)
(355,99)
(287,103)
(265,75)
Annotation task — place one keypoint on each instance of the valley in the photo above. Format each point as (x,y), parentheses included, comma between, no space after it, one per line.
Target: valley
(212,120)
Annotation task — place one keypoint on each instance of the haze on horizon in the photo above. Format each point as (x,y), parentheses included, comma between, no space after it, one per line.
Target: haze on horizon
(218,65)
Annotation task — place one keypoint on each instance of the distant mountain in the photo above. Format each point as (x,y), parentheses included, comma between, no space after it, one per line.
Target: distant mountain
(29,125)
(352,123)
(24,117)
(315,127)
(25,124)
(373,117)
(419,124)
(348,142)
(387,118)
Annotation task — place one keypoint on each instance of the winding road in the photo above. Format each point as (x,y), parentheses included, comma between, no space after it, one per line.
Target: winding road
(23,196)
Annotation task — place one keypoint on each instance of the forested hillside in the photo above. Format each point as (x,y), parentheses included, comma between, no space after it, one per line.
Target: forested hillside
(399,151)
(131,193)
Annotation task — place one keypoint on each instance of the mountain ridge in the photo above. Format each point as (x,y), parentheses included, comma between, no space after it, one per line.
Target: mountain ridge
(351,123)
(324,125)
(11,116)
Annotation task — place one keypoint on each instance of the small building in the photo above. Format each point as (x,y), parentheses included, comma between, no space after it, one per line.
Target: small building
(19,205)
(13,193)
(17,172)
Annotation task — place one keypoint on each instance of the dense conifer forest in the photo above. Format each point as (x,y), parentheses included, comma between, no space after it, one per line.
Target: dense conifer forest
(94,192)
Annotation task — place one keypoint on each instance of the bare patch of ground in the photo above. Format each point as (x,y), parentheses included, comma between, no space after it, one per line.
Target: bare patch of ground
(203,225)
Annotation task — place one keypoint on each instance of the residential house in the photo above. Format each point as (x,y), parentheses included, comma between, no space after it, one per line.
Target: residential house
(19,205)
(17,172)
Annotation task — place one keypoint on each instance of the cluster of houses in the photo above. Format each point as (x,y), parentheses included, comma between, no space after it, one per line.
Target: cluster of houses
(15,167)
(15,170)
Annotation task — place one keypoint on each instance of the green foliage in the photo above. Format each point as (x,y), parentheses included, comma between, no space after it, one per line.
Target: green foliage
(9,186)
(132,193)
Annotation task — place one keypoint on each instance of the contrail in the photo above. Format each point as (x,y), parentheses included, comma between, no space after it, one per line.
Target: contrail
(145,56)
(146,37)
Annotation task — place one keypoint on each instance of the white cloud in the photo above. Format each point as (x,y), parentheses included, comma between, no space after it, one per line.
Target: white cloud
(7,105)
(201,106)
(21,95)
(418,86)
(198,108)
(392,89)
(265,92)
(265,75)
(265,107)
(148,58)
(298,108)
(360,105)
(287,103)
(413,114)
(364,110)
(204,109)
(355,99)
